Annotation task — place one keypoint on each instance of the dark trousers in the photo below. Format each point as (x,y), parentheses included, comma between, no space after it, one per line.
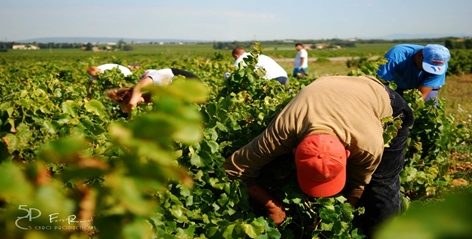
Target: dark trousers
(179,72)
(282,79)
(381,197)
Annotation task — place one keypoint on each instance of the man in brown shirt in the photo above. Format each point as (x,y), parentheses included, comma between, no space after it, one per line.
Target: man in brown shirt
(334,128)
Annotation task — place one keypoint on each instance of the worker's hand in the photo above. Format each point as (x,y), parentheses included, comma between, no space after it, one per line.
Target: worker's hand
(133,102)
(273,206)
(135,99)
(275,211)
(132,105)
(352,200)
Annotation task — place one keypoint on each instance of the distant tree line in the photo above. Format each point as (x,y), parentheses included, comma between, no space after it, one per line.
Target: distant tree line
(248,44)
(231,45)
(449,42)
(420,41)
(4,46)
(459,43)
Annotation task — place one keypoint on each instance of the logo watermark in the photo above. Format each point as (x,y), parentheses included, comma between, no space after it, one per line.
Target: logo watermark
(34,213)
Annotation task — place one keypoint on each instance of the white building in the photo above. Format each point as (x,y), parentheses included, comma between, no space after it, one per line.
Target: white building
(25,47)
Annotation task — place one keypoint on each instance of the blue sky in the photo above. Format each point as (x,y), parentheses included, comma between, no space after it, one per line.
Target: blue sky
(232,20)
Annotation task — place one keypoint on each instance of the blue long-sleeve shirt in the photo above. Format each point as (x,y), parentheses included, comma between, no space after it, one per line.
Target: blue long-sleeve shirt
(401,69)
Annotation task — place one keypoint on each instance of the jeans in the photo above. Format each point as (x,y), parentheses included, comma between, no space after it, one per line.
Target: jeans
(433,95)
(381,197)
(299,72)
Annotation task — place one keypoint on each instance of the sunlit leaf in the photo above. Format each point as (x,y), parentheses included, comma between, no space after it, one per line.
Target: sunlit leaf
(70,107)
(196,160)
(228,231)
(49,127)
(95,107)
(253,230)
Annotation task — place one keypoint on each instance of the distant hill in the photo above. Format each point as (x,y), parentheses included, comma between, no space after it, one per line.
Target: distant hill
(396,36)
(99,40)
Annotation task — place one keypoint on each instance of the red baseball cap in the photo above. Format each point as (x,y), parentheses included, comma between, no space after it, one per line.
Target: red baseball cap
(321,165)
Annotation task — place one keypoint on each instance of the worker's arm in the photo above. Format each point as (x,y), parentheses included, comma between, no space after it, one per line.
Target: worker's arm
(246,162)
(425,91)
(303,59)
(137,94)
(272,205)
(92,82)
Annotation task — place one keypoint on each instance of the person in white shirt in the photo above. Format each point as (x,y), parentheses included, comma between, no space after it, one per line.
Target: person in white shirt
(93,71)
(300,62)
(272,68)
(129,97)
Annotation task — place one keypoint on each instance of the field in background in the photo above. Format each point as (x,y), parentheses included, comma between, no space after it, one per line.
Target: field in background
(457,90)
(203,50)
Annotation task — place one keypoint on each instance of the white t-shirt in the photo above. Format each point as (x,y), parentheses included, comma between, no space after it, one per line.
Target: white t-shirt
(124,70)
(159,77)
(298,59)
(273,69)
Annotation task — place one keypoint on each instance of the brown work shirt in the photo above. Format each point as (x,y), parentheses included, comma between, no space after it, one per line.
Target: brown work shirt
(350,108)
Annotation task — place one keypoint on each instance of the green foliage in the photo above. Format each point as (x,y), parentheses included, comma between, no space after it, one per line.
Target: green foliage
(114,186)
(364,66)
(159,173)
(460,63)
(448,218)
(433,137)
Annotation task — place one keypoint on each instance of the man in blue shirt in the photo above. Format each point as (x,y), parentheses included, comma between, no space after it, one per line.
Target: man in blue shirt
(416,67)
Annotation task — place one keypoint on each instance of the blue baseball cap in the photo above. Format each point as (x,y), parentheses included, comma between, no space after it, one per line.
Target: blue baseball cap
(435,58)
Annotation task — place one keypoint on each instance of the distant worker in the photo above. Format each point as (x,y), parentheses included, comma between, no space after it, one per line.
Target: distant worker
(301,61)
(129,97)
(272,68)
(416,67)
(93,71)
